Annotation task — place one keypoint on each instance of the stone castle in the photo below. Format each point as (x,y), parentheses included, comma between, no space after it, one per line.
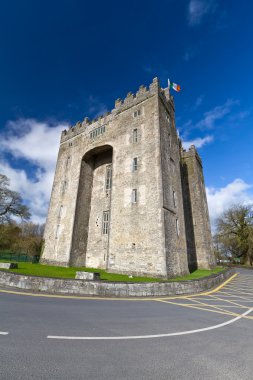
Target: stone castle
(126,196)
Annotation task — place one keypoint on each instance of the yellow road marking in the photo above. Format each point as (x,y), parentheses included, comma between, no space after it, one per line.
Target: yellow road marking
(212,306)
(234,295)
(202,308)
(197,307)
(229,301)
(242,292)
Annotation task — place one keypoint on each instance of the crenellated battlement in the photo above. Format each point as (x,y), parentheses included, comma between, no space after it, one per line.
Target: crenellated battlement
(192,152)
(131,100)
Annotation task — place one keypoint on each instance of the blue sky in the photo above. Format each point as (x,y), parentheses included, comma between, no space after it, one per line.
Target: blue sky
(64,60)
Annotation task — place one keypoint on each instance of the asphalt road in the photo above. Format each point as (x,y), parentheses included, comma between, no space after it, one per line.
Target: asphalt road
(194,337)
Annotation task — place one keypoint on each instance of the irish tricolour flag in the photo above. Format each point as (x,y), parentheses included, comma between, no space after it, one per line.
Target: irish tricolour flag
(175,86)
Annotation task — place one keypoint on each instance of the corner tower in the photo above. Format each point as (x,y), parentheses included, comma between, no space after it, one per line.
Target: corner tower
(197,224)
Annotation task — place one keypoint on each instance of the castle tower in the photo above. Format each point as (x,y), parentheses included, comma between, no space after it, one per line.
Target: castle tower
(117,201)
(198,230)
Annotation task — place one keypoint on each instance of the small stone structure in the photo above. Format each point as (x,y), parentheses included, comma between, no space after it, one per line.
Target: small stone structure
(8,265)
(87,276)
(126,196)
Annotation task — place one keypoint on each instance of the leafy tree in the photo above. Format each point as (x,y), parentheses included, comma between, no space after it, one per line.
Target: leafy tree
(31,238)
(9,236)
(11,203)
(24,238)
(235,233)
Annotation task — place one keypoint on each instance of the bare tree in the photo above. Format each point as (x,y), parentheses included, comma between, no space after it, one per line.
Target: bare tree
(11,202)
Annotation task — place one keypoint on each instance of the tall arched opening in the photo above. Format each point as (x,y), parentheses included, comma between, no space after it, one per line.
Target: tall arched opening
(90,242)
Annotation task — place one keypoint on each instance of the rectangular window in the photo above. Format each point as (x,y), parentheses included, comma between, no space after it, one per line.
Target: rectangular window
(105,222)
(170,141)
(135,136)
(135,164)
(177,227)
(174,199)
(108,177)
(134,196)
(137,113)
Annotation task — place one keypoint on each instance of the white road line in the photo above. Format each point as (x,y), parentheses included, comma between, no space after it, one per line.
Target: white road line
(149,336)
(3,333)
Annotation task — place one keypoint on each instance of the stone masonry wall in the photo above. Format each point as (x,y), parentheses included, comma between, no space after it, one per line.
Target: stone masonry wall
(112,289)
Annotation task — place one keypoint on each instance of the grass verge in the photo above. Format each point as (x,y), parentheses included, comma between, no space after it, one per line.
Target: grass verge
(63,272)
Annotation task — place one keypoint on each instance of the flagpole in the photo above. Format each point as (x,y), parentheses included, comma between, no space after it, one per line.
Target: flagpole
(169,86)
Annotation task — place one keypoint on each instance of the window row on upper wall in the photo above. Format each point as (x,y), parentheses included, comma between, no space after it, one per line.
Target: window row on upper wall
(96,132)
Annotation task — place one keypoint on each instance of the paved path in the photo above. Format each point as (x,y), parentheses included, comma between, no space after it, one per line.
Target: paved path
(208,336)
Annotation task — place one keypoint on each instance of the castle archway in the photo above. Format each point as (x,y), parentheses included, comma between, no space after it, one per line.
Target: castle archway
(92,216)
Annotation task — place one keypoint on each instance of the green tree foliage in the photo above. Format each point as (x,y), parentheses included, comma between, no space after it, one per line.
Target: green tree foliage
(9,235)
(24,238)
(235,233)
(11,203)
(31,238)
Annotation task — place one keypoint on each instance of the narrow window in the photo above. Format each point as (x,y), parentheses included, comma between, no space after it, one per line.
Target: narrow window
(172,165)
(174,199)
(135,164)
(60,212)
(105,222)
(177,227)
(170,141)
(134,196)
(135,136)
(108,177)
(67,162)
(57,233)
(64,186)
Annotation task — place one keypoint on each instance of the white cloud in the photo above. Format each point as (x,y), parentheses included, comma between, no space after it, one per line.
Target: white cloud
(211,118)
(217,113)
(198,142)
(197,9)
(219,199)
(37,143)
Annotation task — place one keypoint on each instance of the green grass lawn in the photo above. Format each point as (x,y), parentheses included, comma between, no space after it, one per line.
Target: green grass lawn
(62,272)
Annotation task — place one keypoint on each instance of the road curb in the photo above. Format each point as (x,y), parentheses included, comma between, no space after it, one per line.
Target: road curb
(111,289)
